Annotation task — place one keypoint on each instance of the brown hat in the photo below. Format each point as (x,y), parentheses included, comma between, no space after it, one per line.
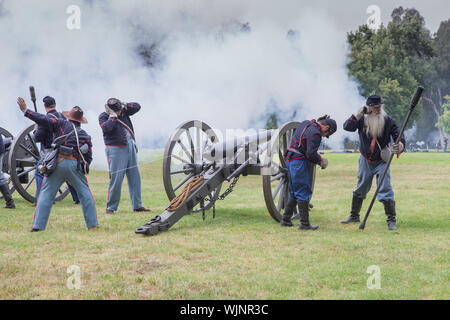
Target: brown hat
(76,114)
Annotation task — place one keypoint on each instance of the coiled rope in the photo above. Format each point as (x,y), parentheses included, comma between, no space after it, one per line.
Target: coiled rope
(191,185)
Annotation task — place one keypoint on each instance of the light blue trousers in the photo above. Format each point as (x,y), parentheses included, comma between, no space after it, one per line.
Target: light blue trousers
(121,161)
(65,171)
(3,179)
(366,171)
(39,177)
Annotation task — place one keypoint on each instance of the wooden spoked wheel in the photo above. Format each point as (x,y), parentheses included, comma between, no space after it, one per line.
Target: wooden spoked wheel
(183,158)
(22,162)
(276,178)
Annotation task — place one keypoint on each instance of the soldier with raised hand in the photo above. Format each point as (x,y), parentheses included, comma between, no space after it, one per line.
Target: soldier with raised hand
(375,129)
(121,152)
(44,135)
(74,157)
(301,155)
(4,185)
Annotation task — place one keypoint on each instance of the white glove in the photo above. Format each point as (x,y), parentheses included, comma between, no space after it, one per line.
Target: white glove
(113,115)
(324,163)
(108,110)
(397,148)
(362,111)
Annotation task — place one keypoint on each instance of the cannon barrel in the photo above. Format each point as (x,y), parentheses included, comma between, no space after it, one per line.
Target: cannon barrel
(230,147)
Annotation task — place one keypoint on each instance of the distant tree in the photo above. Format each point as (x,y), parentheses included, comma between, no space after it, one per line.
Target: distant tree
(438,80)
(272,121)
(392,61)
(444,119)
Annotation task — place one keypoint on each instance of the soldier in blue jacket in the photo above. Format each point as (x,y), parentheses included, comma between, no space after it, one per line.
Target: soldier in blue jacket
(4,187)
(45,137)
(75,155)
(301,155)
(121,151)
(375,130)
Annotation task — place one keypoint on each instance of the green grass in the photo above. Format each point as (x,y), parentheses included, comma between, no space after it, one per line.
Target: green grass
(242,253)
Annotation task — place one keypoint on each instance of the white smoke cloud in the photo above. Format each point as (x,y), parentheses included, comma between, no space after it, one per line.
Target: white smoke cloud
(207,69)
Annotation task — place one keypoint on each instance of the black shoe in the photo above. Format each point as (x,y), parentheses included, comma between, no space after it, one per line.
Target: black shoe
(284,223)
(389,209)
(391,225)
(351,219)
(6,193)
(76,202)
(288,211)
(35,230)
(93,227)
(354,213)
(310,227)
(110,211)
(304,216)
(142,209)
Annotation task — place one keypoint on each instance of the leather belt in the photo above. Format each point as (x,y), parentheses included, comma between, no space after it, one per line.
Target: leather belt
(67,157)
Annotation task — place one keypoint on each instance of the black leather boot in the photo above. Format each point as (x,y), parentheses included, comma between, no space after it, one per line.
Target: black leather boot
(389,209)
(288,211)
(304,216)
(354,213)
(4,189)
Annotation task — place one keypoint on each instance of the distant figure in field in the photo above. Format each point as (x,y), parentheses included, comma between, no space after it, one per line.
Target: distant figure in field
(445,144)
(375,129)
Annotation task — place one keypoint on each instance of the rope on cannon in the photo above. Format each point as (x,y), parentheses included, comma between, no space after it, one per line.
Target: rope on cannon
(191,185)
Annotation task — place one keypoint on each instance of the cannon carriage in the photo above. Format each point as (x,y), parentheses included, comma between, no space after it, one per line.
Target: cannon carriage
(196,164)
(20,162)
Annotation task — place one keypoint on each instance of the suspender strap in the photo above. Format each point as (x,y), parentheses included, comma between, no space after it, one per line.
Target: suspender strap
(79,151)
(303,132)
(127,128)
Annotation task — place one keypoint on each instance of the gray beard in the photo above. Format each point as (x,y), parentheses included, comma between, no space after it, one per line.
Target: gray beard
(374,124)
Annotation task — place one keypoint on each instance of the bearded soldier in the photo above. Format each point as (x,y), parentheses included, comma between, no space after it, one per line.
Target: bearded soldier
(301,155)
(375,129)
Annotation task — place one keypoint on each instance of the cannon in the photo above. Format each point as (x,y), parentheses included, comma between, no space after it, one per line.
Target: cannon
(196,164)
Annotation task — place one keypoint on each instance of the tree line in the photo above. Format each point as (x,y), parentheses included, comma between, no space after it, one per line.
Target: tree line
(393,60)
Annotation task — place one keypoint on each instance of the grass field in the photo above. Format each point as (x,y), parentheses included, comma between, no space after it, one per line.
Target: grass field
(242,253)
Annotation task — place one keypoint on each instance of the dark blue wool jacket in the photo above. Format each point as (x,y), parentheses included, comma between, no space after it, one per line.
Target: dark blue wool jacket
(305,147)
(114,133)
(2,146)
(60,127)
(43,134)
(390,130)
